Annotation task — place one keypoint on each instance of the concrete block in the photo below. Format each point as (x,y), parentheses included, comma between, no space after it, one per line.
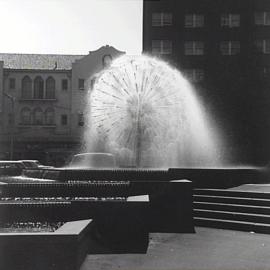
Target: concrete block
(65,248)
(171,208)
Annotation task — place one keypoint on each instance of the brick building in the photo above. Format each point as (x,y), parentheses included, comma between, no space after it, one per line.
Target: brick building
(46,94)
(224,49)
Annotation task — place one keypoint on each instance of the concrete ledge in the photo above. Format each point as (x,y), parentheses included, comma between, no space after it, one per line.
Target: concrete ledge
(121,227)
(219,177)
(65,248)
(171,207)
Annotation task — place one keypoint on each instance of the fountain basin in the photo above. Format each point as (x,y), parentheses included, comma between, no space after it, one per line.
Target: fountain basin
(200,177)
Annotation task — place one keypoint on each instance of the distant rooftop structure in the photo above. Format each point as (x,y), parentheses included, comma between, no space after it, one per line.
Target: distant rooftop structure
(39,61)
(26,61)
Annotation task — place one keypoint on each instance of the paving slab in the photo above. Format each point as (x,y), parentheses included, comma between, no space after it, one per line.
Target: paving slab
(208,249)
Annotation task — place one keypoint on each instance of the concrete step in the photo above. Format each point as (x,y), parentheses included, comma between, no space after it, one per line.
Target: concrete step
(261,210)
(232,225)
(228,215)
(232,200)
(232,193)
(229,209)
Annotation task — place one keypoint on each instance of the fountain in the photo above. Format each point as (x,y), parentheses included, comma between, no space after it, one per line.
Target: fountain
(147,114)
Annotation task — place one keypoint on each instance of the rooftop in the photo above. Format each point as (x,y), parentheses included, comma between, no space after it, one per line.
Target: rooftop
(39,61)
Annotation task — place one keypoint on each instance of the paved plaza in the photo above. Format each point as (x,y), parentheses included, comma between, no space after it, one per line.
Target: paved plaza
(208,249)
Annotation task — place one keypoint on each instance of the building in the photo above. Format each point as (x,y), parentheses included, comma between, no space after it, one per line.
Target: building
(42,103)
(223,47)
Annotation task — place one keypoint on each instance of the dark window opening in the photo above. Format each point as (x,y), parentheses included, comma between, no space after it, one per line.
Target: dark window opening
(26,88)
(81,84)
(64,84)
(80,119)
(49,116)
(38,117)
(12,83)
(64,119)
(38,88)
(50,88)
(26,116)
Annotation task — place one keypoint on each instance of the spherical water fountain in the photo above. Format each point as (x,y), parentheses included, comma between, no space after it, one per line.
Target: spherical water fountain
(147,114)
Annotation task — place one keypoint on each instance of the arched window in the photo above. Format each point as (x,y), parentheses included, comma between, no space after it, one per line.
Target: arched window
(50,88)
(26,88)
(26,116)
(38,116)
(106,60)
(38,88)
(49,116)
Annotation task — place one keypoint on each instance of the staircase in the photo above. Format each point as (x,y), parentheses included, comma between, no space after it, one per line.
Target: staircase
(235,210)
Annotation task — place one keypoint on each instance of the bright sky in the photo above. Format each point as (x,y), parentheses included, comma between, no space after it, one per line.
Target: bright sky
(70,26)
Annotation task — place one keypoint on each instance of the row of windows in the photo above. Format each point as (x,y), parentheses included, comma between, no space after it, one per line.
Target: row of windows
(194,75)
(81,83)
(198,75)
(198,47)
(28,92)
(37,116)
(37,88)
(198,20)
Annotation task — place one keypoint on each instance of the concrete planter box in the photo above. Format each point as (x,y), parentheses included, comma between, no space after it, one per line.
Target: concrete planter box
(64,249)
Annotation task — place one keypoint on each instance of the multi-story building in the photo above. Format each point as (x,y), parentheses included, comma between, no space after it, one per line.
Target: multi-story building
(223,47)
(42,103)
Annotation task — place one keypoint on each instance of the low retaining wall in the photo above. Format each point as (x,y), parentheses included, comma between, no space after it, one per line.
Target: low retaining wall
(201,177)
(171,207)
(121,227)
(73,189)
(66,174)
(64,249)
(220,178)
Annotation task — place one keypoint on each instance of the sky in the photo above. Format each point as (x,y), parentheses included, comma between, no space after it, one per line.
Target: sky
(70,26)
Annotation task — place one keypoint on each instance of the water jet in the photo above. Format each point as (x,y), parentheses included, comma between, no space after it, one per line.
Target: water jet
(147,114)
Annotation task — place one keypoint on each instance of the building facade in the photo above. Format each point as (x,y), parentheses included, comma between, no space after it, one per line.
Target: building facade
(42,103)
(223,47)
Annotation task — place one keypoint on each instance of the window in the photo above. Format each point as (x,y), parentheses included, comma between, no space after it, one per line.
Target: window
(161,46)
(50,88)
(26,88)
(37,116)
(49,116)
(195,75)
(81,84)
(80,119)
(64,84)
(230,47)
(12,83)
(265,72)
(161,19)
(194,48)
(194,20)
(10,119)
(38,88)
(230,20)
(64,119)
(263,46)
(262,18)
(26,116)
(106,60)
(92,83)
